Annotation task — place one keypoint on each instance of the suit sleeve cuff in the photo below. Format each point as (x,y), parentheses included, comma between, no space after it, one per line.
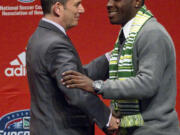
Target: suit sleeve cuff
(107,125)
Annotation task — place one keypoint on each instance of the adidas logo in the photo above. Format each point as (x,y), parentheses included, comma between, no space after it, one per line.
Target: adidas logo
(18,66)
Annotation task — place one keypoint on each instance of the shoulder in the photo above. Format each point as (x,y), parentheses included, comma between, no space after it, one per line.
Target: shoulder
(154,33)
(152,28)
(47,39)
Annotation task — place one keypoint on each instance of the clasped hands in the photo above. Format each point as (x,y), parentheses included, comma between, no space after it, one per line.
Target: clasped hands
(73,79)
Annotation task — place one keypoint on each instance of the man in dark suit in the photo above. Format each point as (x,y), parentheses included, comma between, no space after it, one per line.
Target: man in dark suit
(142,73)
(54,109)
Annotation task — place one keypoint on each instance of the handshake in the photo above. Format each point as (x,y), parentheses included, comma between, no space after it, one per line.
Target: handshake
(113,126)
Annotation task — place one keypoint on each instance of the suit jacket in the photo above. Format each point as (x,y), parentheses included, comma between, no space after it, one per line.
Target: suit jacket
(154,84)
(56,110)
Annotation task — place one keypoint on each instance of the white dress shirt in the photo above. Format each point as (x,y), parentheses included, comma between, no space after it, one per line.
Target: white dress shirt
(55,24)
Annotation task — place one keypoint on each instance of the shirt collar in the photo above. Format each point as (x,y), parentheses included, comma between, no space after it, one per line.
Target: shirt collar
(127,28)
(55,24)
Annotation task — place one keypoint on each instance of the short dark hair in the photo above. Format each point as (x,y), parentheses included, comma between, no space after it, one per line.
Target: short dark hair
(47,4)
(143,2)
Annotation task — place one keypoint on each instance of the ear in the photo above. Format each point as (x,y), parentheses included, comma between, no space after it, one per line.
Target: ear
(57,8)
(138,3)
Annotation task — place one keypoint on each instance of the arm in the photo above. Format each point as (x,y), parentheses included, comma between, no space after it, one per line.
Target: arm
(153,49)
(60,57)
(98,69)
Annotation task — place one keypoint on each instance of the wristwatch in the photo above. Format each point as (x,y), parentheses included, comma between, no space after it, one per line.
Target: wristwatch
(97,86)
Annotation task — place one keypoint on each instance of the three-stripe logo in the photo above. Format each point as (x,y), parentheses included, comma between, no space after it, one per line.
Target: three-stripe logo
(18,66)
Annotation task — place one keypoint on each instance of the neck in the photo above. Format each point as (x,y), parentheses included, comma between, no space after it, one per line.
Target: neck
(55,19)
(132,16)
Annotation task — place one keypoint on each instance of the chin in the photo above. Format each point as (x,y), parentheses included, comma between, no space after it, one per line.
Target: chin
(114,21)
(72,25)
(75,24)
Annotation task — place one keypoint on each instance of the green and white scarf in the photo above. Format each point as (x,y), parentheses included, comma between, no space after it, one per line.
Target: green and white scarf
(122,69)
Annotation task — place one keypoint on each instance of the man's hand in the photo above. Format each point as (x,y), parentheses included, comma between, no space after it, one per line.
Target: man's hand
(113,126)
(73,79)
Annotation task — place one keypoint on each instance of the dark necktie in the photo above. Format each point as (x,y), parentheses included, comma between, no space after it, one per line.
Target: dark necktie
(121,37)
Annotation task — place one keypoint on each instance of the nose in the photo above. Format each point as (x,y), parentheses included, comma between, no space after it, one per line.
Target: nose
(81,9)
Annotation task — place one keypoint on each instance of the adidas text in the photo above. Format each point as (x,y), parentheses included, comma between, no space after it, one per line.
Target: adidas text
(16,71)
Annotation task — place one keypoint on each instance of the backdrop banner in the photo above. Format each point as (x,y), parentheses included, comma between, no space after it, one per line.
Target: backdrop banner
(92,37)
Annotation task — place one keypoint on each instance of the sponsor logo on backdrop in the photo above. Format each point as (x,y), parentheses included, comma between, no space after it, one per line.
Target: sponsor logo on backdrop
(17,66)
(15,123)
(26,1)
(21,10)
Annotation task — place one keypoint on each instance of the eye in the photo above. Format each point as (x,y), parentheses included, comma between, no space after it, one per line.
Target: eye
(77,4)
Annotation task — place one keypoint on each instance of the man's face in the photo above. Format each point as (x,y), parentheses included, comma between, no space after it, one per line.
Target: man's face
(72,11)
(121,11)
